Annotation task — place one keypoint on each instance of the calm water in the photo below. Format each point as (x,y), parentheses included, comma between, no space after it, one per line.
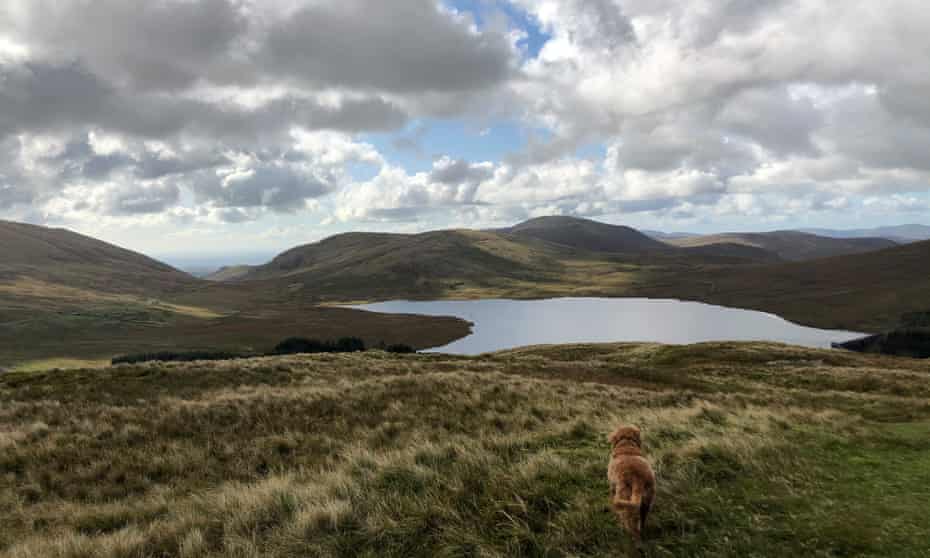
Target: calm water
(504,324)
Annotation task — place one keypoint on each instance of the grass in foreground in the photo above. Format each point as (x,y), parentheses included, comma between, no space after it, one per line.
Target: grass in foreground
(761,450)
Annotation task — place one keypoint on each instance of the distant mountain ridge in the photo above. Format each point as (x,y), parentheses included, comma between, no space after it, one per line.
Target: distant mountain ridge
(531,250)
(430,263)
(586,234)
(229,273)
(65,294)
(526,250)
(906,233)
(791,245)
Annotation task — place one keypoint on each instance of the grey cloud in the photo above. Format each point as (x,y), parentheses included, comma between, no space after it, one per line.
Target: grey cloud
(277,187)
(862,130)
(402,46)
(39,97)
(45,97)
(234,215)
(152,44)
(78,160)
(154,165)
(606,24)
(456,172)
(772,118)
(16,188)
(131,199)
(640,206)
(407,46)
(682,139)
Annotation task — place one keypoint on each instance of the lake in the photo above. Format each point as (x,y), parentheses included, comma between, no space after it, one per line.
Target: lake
(504,324)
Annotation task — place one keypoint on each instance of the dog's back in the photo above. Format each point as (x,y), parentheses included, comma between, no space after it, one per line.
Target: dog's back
(632,481)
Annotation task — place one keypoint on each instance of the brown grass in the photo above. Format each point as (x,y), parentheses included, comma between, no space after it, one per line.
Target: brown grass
(381,455)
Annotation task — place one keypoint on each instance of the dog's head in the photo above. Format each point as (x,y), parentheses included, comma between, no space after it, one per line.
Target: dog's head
(626,435)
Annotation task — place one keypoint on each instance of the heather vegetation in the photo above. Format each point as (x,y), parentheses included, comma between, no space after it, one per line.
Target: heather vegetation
(174,356)
(290,346)
(912,342)
(760,450)
(300,345)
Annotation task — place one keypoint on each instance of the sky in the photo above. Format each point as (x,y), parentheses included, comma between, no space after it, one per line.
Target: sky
(239,128)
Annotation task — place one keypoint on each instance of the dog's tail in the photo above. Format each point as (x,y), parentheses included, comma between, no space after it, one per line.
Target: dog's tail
(636,498)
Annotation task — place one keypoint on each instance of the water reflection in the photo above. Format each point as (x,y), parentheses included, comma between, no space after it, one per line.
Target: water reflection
(504,324)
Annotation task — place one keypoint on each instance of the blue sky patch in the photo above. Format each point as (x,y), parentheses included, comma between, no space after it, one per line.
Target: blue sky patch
(482,10)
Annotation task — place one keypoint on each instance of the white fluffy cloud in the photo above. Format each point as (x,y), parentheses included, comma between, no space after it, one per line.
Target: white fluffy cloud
(237,111)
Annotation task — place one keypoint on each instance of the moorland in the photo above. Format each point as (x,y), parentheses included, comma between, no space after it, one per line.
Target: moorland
(67,299)
(760,450)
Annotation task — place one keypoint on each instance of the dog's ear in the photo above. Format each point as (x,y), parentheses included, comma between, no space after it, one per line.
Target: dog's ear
(636,435)
(615,436)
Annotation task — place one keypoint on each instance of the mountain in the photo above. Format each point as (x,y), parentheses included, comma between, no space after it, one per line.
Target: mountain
(229,273)
(432,264)
(547,257)
(899,233)
(586,234)
(659,235)
(597,237)
(790,245)
(75,260)
(868,292)
(67,295)
(64,295)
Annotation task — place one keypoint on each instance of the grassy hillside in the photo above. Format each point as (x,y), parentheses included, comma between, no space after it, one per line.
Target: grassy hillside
(229,273)
(65,296)
(46,256)
(760,450)
(869,292)
(473,264)
(791,245)
(428,265)
(68,296)
(586,234)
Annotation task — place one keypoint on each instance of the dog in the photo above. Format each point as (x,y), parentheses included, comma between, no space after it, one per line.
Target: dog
(632,481)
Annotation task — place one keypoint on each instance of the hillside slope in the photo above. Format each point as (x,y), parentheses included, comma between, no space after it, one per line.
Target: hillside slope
(585,234)
(373,265)
(545,256)
(868,292)
(67,296)
(63,256)
(898,233)
(761,450)
(229,273)
(791,245)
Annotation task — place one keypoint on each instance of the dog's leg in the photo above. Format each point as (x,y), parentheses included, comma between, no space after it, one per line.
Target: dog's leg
(643,514)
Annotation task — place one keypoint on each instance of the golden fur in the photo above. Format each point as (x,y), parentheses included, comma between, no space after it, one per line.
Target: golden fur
(632,480)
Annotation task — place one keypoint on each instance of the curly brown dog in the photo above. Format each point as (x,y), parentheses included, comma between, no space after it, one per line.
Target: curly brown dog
(632,481)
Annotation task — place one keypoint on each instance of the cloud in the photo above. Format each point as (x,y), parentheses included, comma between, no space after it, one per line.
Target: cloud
(457,171)
(43,97)
(399,46)
(278,187)
(154,45)
(235,111)
(128,200)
